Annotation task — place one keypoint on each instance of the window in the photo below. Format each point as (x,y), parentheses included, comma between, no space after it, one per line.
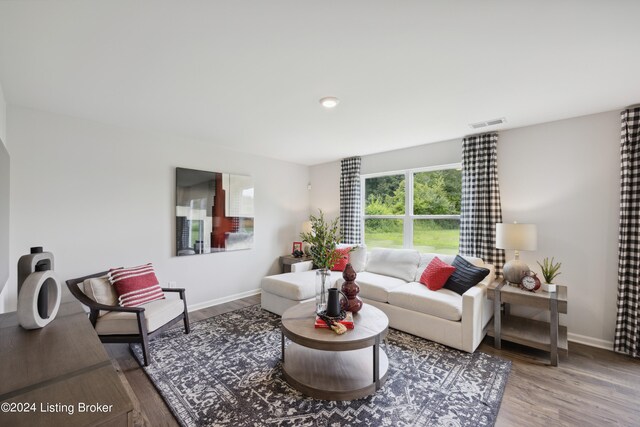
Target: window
(418,208)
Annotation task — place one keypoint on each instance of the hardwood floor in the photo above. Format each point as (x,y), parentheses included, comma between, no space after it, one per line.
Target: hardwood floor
(590,387)
(154,411)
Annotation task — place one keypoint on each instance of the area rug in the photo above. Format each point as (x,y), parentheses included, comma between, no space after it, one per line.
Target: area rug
(227,372)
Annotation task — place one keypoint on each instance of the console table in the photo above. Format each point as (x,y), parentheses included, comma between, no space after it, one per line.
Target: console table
(547,336)
(287,260)
(59,375)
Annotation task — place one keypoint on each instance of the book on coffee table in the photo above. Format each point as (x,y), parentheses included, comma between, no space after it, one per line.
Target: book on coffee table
(347,321)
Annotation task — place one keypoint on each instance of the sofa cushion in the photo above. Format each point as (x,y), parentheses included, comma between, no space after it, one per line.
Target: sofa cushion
(436,274)
(101,291)
(466,276)
(136,286)
(156,314)
(357,257)
(426,258)
(376,286)
(399,263)
(443,303)
(295,286)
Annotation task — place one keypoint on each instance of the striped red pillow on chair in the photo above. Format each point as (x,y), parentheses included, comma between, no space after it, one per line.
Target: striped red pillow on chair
(135,285)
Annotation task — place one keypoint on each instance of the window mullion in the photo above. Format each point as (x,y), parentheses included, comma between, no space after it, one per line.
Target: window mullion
(407,240)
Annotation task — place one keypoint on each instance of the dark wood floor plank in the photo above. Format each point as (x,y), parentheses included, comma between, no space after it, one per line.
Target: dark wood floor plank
(590,387)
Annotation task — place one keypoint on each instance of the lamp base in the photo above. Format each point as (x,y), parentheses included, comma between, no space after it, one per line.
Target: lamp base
(514,270)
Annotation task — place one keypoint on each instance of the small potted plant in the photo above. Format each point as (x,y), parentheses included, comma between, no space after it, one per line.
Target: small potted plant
(322,238)
(550,270)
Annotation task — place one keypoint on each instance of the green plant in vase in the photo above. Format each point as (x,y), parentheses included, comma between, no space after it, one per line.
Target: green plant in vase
(550,270)
(323,238)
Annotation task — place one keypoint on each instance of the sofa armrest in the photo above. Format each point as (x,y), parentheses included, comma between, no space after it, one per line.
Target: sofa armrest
(490,277)
(302,266)
(476,312)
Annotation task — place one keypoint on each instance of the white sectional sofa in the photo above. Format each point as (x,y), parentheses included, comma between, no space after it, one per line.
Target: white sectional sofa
(389,280)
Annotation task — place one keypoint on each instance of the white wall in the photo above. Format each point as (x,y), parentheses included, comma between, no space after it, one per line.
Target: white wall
(562,176)
(325,189)
(3,118)
(3,137)
(99,196)
(440,153)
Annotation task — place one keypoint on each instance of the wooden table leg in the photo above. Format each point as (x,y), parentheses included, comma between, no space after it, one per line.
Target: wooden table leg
(553,335)
(497,319)
(376,362)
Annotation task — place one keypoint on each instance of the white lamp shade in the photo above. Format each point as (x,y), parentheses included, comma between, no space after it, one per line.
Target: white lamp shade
(521,237)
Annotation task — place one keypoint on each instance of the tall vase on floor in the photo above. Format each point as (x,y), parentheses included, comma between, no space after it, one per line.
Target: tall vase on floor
(323,283)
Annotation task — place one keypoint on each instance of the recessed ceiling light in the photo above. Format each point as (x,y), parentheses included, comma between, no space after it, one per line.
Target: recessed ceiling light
(329,101)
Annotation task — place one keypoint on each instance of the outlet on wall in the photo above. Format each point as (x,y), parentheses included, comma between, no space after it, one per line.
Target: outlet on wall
(172,284)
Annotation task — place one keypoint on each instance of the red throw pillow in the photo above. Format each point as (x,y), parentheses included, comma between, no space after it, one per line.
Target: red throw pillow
(436,274)
(343,261)
(135,285)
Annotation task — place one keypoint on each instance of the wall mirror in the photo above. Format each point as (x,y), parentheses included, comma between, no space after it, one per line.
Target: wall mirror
(214,212)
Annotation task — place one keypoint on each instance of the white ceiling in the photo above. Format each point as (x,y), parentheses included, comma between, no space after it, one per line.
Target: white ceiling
(248,74)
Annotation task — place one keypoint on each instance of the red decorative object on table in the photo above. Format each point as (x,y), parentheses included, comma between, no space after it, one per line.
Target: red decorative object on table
(347,321)
(530,282)
(351,290)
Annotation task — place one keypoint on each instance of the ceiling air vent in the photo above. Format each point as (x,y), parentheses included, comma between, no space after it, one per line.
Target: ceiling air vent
(488,123)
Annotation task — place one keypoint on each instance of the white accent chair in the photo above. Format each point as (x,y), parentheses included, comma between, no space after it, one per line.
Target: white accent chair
(116,324)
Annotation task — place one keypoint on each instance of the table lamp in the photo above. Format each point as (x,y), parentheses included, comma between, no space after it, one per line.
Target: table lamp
(519,237)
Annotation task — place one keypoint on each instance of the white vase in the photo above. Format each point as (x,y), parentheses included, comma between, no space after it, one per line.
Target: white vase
(549,287)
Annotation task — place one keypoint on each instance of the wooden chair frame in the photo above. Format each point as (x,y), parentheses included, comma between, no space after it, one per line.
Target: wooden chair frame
(144,335)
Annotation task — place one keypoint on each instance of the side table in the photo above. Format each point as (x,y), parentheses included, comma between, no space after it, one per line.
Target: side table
(547,336)
(287,260)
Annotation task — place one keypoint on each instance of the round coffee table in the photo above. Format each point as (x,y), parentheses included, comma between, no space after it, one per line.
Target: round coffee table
(327,366)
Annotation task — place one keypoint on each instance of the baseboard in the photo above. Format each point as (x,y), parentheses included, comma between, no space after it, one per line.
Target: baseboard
(211,303)
(593,342)
(580,339)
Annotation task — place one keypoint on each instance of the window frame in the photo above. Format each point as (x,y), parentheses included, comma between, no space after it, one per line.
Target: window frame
(408,217)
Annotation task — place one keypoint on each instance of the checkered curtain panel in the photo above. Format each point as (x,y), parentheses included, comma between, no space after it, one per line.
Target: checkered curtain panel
(480,207)
(627,339)
(350,209)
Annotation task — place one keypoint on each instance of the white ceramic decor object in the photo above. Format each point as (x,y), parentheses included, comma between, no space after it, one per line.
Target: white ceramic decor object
(28,315)
(549,287)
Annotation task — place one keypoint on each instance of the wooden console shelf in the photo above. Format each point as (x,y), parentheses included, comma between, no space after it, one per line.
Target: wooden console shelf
(56,372)
(529,332)
(547,336)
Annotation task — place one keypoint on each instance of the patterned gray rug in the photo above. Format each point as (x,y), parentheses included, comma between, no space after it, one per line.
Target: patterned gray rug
(227,372)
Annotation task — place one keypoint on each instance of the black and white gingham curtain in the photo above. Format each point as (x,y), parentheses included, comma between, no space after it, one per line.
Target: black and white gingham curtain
(480,207)
(627,339)
(350,209)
